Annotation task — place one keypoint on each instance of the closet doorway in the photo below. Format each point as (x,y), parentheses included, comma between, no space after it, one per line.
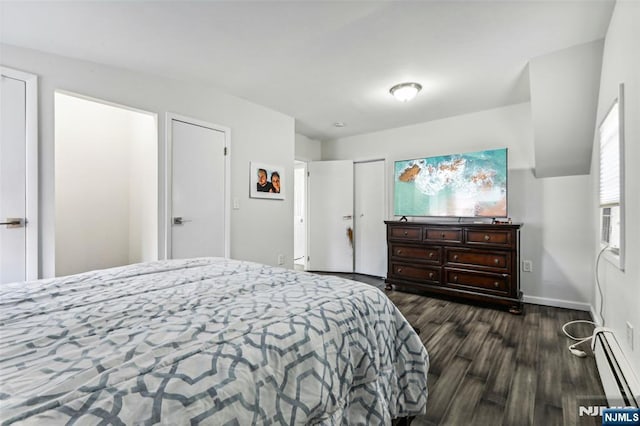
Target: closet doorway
(370,257)
(346,217)
(106,185)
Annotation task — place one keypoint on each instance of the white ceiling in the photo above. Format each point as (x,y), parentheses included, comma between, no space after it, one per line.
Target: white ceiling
(321,61)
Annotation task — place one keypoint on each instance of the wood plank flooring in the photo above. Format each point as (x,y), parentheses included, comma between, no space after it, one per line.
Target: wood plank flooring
(489,367)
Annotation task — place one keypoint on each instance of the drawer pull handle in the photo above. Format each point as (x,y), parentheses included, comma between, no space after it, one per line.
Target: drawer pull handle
(430,254)
(496,261)
(442,235)
(399,252)
(487,238)
(455,278)
(406,233)
(430,274)
(455,257)
(399,269)
(496,284)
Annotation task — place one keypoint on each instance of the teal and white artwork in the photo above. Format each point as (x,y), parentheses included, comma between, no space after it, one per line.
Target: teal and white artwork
(462,185)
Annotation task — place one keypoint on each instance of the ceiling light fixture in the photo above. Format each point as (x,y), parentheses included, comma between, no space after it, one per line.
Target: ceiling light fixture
(339,124)
(404,92)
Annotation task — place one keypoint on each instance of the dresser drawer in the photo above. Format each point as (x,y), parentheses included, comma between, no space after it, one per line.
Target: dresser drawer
(420,253)
(478,280)
(502,238)
(489,259)
(413,272)
(449,235)
(410,233)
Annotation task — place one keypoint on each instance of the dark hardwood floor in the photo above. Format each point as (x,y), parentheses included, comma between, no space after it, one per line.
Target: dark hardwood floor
(489,367)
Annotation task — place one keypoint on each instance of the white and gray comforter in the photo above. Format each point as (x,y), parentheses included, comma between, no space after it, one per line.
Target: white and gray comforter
(205,341)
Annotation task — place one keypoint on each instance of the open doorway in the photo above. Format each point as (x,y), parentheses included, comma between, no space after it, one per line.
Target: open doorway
(106,185)
(299,216)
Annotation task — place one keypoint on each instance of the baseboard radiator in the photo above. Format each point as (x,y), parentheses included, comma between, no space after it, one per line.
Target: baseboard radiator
(620,385)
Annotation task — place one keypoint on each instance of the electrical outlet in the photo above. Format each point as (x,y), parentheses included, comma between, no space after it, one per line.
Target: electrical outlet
(281,259)
(236,204)
(527,266)
(630,335)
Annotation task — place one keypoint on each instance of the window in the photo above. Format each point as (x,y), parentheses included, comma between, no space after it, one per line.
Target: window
(612,181)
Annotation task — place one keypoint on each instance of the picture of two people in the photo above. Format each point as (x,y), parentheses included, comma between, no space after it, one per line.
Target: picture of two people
(264,185)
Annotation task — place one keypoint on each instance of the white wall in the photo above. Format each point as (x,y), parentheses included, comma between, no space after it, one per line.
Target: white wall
(564,96)
(143,175)
(307,149)
(535,202)
(566,246)
(555,212)
(621,64)
(106,186)
(92,185)
(257,133)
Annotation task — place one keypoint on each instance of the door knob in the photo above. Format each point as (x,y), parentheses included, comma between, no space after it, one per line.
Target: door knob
(14,222)
(180,221)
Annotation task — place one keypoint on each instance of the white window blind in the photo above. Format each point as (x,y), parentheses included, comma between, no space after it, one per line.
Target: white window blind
(610,159)
(612,217)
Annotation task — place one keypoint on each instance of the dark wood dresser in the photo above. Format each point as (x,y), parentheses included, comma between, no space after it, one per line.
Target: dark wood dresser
(465,260)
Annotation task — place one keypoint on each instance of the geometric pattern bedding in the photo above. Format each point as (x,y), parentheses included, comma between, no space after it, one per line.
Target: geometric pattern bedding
(205,341)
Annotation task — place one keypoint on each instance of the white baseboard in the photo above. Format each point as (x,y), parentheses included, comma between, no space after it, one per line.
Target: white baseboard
(558,303)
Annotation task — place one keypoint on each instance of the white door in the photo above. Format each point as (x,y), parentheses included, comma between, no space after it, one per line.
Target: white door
(330,213)
(198,191)
(370,238)
(18,178)
(299,218)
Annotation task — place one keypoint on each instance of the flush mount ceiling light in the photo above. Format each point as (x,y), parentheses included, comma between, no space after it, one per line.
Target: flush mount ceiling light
(404,92)
(339,124)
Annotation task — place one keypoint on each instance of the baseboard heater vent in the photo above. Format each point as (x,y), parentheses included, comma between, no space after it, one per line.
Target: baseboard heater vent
(620,385)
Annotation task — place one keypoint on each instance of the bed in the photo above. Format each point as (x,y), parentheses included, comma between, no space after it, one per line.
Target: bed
(206,341)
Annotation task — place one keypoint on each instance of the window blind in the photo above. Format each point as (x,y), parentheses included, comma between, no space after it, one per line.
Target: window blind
(610,159)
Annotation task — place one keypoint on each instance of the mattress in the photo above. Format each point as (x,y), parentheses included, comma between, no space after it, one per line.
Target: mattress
(206,341)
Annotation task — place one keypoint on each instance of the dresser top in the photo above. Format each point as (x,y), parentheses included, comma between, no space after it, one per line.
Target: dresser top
(454,223)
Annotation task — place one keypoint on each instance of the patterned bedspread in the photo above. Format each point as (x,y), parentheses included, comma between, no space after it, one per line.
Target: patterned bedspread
(205,341)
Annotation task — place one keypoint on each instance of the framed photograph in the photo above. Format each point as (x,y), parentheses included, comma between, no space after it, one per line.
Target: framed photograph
(267,181)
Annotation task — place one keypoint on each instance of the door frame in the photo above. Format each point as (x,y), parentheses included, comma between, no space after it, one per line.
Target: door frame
(31,155)
(304,166)
(169,178)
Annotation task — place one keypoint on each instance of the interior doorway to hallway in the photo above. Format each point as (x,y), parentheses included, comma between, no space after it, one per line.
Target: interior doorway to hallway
(106,185)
